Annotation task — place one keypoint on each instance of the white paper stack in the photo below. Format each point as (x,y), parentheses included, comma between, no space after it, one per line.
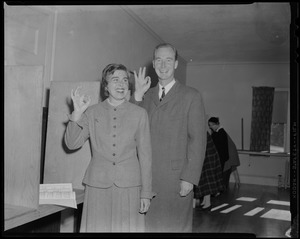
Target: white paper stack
(59,194)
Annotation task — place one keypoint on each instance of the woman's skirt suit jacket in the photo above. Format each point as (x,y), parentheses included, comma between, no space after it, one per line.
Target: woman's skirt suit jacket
(221,142)
(121,160)
(178,138)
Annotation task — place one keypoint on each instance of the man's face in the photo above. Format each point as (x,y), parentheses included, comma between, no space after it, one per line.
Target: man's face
(165,63)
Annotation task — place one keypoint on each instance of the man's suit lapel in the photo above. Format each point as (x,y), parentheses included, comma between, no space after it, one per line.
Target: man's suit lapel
(154,96)
(169,96)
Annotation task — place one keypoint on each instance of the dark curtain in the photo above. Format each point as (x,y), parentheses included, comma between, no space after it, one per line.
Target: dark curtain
(262,107)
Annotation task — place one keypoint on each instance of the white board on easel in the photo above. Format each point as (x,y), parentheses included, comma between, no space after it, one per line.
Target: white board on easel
(62,165)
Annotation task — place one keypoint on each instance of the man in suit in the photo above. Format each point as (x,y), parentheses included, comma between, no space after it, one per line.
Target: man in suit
(178,136)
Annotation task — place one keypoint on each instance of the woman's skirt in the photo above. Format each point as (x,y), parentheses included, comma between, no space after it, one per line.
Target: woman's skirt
(112,209)
(211,180)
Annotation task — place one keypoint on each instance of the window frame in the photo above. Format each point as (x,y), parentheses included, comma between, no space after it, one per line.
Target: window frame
(287,128)
(286,152)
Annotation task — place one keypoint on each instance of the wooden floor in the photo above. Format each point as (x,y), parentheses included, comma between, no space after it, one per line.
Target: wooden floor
(215,224)
(235,221)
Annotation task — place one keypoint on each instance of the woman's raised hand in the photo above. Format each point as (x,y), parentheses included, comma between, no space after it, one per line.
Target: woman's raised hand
(142,83)
(80,103)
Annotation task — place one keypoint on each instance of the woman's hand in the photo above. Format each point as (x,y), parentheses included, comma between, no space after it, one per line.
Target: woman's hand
(142,83)
(80,103)
(145,204)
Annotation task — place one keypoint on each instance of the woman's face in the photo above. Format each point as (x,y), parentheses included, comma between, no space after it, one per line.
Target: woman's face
(117,85)
(213,126)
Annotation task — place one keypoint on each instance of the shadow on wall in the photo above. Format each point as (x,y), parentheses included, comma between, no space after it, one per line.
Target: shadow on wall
(151,72)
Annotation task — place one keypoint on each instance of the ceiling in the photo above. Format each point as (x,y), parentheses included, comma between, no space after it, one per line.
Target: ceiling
(217,33)
(257,32)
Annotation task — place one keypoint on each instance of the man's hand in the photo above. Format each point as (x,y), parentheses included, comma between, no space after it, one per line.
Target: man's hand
(142,83)
(185,188)
(145,204)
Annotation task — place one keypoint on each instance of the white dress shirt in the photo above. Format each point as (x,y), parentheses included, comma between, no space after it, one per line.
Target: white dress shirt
(167,88)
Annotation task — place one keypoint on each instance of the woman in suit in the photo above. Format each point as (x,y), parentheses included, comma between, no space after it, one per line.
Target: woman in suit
(118,179)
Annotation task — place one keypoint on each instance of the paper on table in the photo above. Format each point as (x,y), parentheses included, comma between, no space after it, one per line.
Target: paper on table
(59,194)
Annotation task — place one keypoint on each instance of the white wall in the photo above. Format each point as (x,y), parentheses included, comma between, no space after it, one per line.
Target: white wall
(89,39)
(227,93)
(261,170)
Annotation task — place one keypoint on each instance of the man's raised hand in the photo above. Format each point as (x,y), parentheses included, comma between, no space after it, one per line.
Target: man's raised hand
(142,83)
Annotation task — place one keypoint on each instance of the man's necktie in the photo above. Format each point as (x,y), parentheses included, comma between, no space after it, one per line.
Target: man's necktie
(163,94)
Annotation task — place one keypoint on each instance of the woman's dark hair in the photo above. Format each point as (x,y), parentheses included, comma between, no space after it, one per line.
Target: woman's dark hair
(110,70)
(214,120)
